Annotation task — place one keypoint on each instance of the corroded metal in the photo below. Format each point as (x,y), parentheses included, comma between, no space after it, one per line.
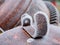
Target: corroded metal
(11,11)
(40,24)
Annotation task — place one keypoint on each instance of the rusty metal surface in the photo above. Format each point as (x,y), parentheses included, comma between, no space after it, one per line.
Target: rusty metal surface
(10,14)
(11,11)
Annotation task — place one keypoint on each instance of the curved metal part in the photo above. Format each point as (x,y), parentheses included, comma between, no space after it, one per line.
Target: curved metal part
(18,36)
(40,27)
(11,12)
(54,14)
(41,22)
(26,20)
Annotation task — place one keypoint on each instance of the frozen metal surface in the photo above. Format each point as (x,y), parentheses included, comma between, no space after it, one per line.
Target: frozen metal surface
(17,36)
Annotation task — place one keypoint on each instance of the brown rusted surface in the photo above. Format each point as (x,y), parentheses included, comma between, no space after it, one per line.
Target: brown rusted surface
(11,11)
(17,36)
(40,25)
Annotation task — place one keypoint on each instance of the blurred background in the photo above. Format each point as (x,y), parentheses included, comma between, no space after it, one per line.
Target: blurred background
(55,2)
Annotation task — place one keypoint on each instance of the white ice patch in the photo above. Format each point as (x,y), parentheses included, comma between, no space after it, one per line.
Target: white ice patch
(30,40)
